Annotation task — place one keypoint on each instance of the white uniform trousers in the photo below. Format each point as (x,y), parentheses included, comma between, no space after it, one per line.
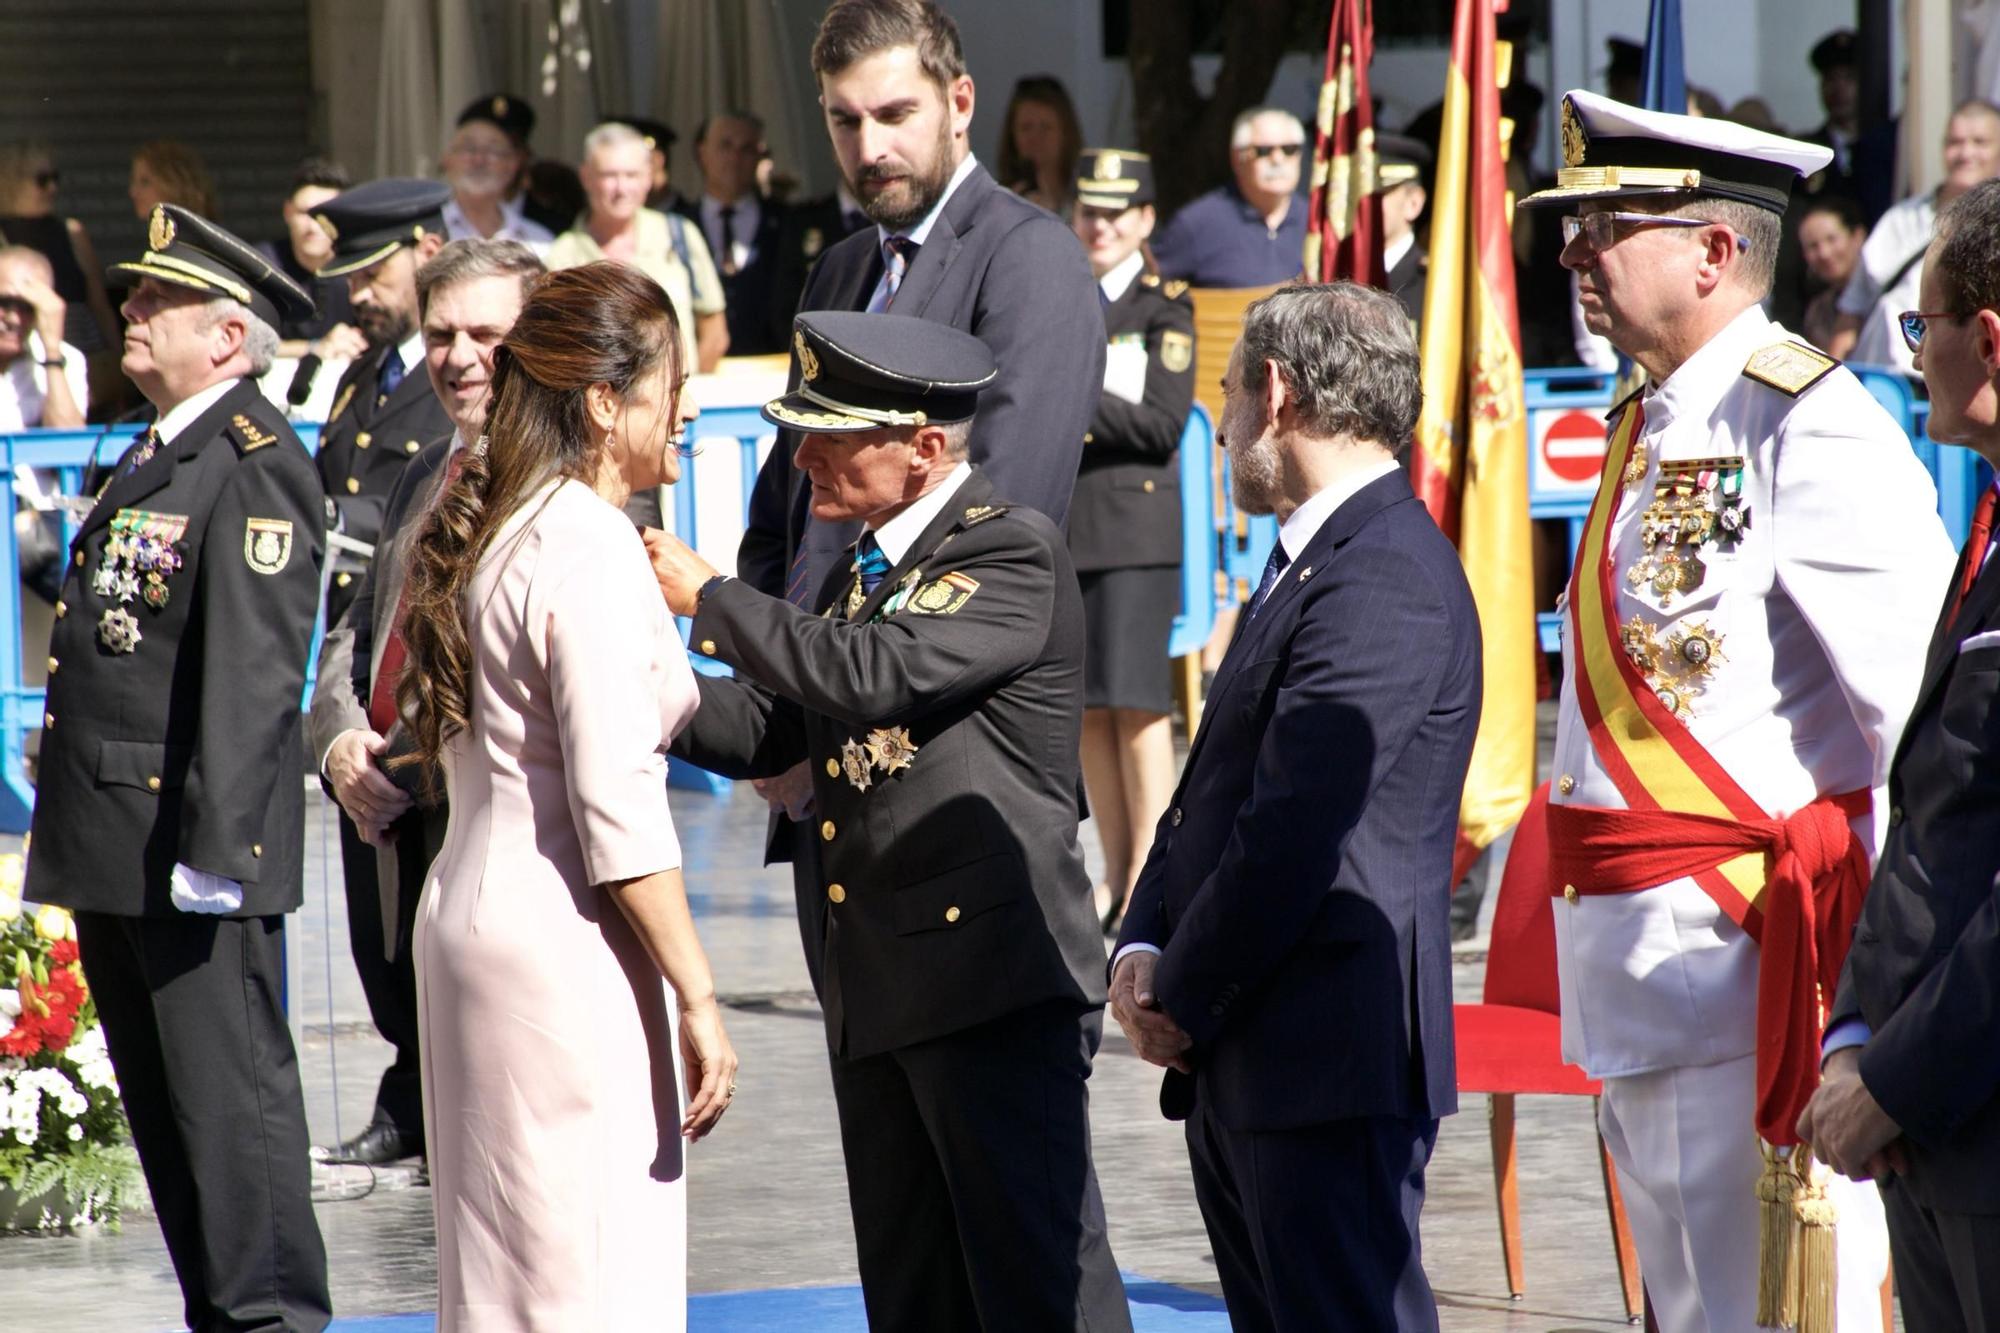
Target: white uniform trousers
(1688,1163)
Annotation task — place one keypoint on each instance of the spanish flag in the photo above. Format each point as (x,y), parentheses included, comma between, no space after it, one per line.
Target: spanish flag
(1469,463)
(1344,227)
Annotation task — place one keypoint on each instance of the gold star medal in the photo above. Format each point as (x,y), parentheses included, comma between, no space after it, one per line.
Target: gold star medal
(118,630)
(891,748)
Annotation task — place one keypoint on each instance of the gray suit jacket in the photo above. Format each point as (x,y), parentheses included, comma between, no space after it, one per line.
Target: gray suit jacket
(351,654)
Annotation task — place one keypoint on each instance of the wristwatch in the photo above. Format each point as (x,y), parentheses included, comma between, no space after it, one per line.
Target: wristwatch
(57,363)
(701,593)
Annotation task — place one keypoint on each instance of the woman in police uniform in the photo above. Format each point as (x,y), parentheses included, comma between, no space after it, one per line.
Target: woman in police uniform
(1125,517)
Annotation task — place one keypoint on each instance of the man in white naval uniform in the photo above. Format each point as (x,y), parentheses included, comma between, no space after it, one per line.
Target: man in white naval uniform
(1743,640)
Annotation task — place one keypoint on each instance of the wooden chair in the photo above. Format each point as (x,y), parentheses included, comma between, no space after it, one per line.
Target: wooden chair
(1511,1043)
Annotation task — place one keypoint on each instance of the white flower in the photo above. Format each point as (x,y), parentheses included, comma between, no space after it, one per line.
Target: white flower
(76,1133)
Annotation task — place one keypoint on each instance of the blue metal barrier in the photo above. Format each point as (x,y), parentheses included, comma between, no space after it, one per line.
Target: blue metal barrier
(1199,546)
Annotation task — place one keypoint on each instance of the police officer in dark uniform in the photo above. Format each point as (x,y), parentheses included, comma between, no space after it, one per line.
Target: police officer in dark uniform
(169,814)
(1125,515)
(384,410)
(1404,170)
(933,689)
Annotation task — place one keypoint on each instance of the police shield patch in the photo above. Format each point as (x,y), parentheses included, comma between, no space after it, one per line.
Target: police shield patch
(267,544)
(1176,351)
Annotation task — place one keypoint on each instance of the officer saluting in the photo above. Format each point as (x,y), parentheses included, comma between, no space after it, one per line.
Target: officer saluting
(1746,626)
(169,811)
(933,691)
(384,410)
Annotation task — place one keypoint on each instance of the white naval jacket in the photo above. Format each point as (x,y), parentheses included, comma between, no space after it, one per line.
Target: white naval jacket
(1824,610)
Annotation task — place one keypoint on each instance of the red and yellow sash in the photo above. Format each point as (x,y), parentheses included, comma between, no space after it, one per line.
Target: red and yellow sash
(1794,884)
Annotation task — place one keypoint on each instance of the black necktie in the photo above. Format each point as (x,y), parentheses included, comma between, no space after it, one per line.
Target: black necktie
(728,255)
(1272,568)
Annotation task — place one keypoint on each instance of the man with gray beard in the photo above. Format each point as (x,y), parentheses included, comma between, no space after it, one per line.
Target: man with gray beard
(1286,956)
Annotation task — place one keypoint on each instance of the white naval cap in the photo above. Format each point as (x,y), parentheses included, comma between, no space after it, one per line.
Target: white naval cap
(1612,150)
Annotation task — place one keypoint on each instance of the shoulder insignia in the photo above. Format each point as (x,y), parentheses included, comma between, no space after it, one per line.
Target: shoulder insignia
(980,513)
(1176,350)
(1175,288)
(944,596)
(1789,367)
(340,404)
(249,436)
(1618,408)
(267,544)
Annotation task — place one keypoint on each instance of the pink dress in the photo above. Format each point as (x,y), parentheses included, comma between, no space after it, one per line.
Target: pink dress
(551,1099)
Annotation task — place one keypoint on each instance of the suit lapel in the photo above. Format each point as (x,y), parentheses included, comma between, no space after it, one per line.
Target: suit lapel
(388,568)
(416,386)
(947,237)
(1979,610)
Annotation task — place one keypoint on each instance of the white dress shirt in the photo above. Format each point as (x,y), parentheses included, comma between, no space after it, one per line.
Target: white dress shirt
(896,536)
(919,233)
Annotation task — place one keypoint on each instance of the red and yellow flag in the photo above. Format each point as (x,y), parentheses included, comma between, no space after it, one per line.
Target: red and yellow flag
(1469,463)
(1344,227)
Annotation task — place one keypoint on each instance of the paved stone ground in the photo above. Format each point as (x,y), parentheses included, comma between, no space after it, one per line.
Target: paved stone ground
(768,1201)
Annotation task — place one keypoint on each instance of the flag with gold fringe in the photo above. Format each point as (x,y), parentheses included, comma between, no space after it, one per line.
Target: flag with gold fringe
(1469,463)
(1344,226)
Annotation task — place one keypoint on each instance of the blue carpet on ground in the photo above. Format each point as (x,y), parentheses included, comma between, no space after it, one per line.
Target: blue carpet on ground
(1157,1307)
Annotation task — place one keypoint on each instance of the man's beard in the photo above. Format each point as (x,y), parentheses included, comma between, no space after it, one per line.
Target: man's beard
(1253,475)
(902,208)
(380,325)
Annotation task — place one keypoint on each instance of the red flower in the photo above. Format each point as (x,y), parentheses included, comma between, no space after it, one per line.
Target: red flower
(63,951)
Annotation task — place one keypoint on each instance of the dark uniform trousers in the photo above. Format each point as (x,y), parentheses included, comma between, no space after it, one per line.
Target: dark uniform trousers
(366,446)
(389,982)
(182,746)
(953,941)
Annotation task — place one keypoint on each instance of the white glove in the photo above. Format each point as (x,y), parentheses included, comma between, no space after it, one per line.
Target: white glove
(198,891)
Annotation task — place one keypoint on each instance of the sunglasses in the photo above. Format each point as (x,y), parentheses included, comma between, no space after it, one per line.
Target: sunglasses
(49,179)
(1601,230)
(1916,323)
(1265,151)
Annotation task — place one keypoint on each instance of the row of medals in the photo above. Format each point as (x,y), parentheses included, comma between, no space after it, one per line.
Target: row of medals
(1695,501)
(139,556)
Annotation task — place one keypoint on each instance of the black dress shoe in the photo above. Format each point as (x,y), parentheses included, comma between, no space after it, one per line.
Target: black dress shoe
(378,1144)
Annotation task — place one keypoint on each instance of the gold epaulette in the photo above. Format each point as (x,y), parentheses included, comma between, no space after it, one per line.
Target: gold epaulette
(1175,288)
(248,435)
(1790,367)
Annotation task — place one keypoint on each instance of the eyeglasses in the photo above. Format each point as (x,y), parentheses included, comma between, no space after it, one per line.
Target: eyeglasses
(1265,151)
(49,179)
(1916,323)
(1601,229)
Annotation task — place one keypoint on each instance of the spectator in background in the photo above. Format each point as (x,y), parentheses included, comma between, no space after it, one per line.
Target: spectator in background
(28,184)
(1625,74)
(1834,60)
(42,376)
(660,140)
(554,196)
(485,164)
(1040,142)
(1886,281)
(328,333)
(617,175)
(742,231)
(1830,236)
(1405,175)
(1251,232)
(1125,517)
(167,171)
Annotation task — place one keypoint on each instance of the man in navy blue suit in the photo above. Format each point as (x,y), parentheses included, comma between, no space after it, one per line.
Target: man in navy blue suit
(1286,957)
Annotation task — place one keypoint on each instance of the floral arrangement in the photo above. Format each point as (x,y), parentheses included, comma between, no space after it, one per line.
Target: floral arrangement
(65,1149)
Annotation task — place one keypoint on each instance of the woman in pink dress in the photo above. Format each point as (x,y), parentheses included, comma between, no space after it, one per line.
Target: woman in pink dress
(557,964)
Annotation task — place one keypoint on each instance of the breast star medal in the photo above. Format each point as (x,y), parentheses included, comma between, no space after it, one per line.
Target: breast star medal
(854,763)
(891,748)
(118,630)
(139,556)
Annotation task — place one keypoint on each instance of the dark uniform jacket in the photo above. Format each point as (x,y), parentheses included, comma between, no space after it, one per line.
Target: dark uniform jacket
(365,445)
(1299,884)
(186,749)
(758,313)
(1126,511)
(956,891)
(1408,279)
(1924,971)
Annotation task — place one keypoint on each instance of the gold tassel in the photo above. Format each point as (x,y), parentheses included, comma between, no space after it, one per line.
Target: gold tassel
(1777,1240)
(1816,1259)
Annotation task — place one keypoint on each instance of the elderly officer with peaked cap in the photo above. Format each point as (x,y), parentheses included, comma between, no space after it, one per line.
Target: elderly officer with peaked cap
(384,410)
(169,813)
(1745,631)
(933,686)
